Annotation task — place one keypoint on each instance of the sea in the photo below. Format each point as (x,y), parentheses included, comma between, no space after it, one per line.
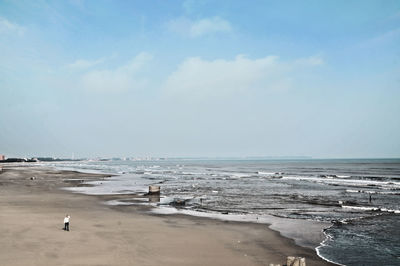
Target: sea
(357,199)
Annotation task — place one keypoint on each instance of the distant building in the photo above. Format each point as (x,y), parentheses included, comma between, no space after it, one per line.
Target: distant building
(2,157)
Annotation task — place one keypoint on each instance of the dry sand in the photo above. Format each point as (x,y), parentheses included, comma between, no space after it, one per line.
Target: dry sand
(31,221)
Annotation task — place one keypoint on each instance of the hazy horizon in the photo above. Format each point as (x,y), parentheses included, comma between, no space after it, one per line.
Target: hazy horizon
(200,79)
(255,158)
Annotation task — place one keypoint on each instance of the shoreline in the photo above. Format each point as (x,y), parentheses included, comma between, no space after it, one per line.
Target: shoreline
(313,238)
(44,194)
(284,226)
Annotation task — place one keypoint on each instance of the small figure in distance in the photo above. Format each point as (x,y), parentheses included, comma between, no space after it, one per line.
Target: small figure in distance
(66,222)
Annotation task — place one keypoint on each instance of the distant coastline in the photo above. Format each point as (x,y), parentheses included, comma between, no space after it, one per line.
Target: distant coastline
(4,159)
(37,159)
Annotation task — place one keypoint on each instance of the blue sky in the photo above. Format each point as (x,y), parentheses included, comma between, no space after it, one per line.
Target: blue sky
(200,78)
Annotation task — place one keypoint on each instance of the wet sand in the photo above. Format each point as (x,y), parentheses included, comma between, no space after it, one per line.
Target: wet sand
(31,221)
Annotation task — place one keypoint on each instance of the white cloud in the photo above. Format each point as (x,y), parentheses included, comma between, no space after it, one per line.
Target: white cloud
(199,78)
(8,27)
(200,27)
(82,63)
(315,60)
(122,78)
(209,25)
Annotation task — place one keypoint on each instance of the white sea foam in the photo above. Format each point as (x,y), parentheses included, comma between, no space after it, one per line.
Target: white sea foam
(361,191)
(361,208)
(353,191)
(373,192)
(238,175)
(367,208)
(347,182)
(328,237)
(265,173)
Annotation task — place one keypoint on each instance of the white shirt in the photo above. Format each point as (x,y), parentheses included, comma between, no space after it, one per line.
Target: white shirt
(66,219)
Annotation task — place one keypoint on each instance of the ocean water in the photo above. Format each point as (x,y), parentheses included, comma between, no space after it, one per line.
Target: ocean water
(360,198)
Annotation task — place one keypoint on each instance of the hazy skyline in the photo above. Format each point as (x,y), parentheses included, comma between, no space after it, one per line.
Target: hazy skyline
(200,78)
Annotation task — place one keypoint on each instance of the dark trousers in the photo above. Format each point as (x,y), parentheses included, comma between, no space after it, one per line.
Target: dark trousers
(66,226)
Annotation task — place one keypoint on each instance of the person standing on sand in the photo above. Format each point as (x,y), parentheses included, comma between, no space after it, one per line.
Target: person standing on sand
(66,222)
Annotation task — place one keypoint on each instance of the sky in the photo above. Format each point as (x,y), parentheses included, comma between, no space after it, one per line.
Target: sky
(200,78)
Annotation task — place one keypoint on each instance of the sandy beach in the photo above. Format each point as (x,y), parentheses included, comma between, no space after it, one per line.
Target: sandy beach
(31,221)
